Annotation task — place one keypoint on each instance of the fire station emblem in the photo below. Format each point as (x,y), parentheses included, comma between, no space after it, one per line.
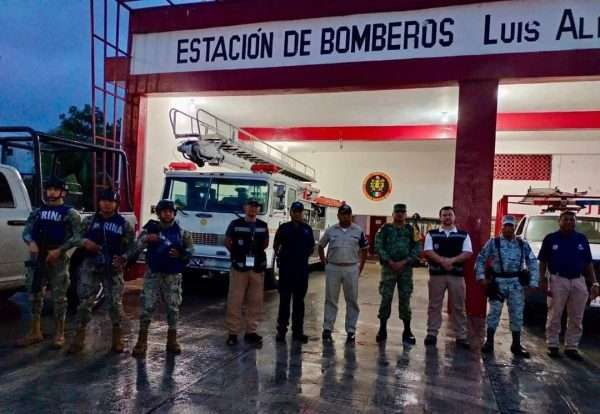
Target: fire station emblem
(377,186)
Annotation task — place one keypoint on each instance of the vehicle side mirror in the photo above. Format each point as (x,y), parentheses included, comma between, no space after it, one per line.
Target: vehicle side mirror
(153,209)
(281,205)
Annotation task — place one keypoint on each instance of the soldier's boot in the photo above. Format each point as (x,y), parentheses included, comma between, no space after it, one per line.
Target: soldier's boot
(34,335)
(488,347)
(79,341)
(407,335)
(59,336)
(382,334)
(172,346)
(142,343)
(516,347)
(117,340)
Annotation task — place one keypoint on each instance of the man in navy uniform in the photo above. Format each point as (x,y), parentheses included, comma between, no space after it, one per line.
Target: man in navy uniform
(567,257)
(294,243)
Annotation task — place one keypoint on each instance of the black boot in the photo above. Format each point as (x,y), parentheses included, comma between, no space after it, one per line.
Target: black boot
(516,347)
(382,334)
(488,347)
(407,335)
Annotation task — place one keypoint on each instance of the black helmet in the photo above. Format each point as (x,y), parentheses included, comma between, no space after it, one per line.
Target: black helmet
(165,205)
(109,195)
(56,182)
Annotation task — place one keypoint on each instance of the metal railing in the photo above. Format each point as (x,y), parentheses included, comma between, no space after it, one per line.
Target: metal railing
(238,142)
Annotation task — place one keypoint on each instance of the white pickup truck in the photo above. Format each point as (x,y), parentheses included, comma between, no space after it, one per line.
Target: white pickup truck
(15,207)
(27,158)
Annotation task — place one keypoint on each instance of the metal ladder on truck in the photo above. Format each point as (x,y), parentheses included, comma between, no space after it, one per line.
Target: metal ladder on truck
(217,138)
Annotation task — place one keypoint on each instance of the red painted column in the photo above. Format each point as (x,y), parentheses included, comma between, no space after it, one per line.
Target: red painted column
(474,176)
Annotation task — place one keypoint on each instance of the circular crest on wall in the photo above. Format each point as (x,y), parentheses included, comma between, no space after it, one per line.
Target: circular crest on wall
(377,186)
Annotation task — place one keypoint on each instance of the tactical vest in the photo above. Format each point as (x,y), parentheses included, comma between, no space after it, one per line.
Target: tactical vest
(49,228)
(450,246)
(157,255)
(107,233)
(248,242)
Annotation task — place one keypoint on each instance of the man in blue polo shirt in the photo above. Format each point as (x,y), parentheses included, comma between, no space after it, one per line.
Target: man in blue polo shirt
(567,257)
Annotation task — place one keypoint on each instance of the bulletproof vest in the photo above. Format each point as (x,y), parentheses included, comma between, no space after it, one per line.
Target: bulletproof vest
(49,226)
(249,242)
(107,233)
(157,255)
(450,246)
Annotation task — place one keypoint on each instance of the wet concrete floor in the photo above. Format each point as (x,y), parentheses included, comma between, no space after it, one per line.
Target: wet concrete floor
(209,377)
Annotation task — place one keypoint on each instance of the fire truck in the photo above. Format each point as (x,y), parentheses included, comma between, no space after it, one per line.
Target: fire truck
(243,167)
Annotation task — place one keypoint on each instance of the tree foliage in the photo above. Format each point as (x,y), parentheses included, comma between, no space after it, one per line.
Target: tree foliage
(77,124)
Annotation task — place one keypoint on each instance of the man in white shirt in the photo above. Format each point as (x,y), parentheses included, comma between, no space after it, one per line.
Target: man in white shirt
(446,249)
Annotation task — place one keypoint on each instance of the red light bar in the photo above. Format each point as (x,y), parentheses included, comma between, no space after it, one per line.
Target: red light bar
(328,202)
(182,166)
(265,168)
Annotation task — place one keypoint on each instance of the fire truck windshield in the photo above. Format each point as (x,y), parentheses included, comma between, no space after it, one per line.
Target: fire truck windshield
(216,194)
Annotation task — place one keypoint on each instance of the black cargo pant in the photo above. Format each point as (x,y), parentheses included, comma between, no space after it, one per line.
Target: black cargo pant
(293,284)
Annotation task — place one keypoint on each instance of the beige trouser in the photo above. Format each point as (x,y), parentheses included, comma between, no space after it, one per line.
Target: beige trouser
(245,288)
(574,294)
(456,295)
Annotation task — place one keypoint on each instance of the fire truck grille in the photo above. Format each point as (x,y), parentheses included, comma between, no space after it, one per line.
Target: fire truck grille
(209,239)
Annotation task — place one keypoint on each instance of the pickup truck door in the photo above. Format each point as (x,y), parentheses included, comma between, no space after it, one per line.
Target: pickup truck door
(14,210)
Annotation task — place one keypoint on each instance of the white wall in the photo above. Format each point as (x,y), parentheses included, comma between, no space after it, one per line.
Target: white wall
(577,171)
(423,180)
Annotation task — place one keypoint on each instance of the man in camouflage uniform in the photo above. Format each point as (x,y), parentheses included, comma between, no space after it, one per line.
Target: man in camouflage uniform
(109,242)
(509,257)
(50,232)
(398,249)
(169,248)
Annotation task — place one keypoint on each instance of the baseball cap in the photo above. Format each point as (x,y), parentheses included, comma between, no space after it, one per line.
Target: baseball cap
(509,220)
(344,209)
(399,208)
(253,202)
(296,205)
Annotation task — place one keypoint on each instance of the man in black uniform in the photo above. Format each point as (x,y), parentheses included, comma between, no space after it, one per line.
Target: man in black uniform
(294,243)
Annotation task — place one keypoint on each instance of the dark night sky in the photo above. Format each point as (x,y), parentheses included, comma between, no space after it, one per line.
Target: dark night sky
(44,60)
